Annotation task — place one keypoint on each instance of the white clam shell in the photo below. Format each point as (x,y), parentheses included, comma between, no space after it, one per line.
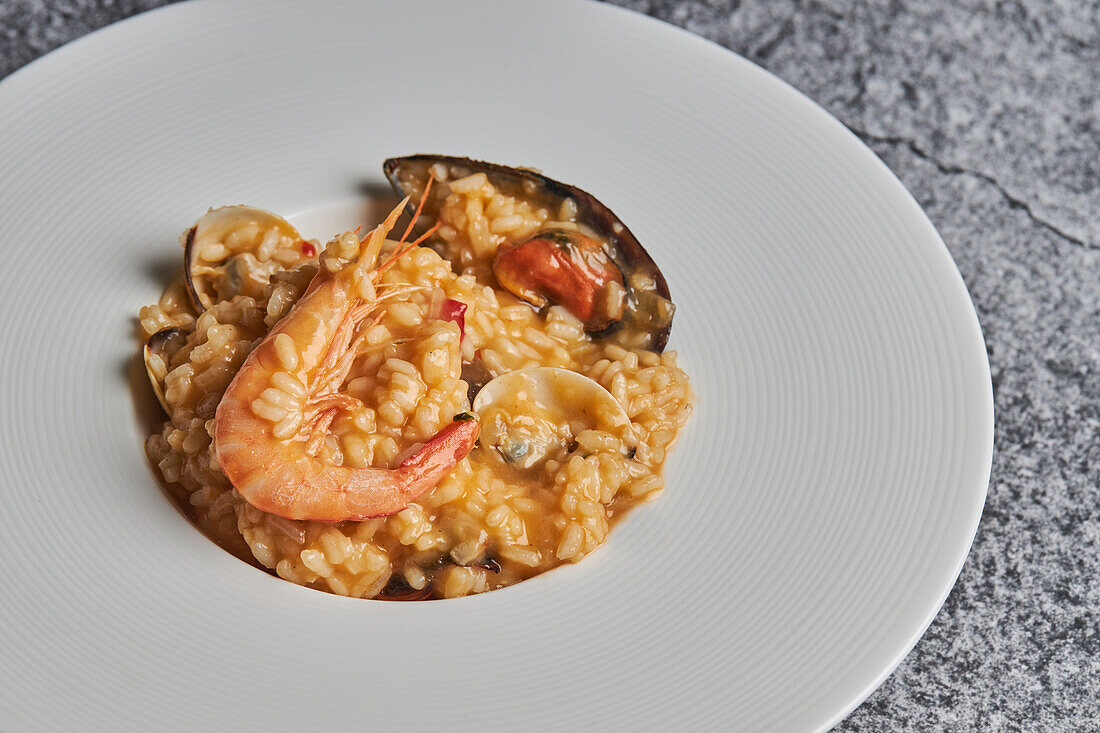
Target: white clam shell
(560,395)
(156,345)
(217,227)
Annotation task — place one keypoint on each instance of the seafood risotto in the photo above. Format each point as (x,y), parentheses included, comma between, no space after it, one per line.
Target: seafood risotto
(430,415)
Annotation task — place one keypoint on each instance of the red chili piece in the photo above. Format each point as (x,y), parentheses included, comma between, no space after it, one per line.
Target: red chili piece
(308,249)
(454,310)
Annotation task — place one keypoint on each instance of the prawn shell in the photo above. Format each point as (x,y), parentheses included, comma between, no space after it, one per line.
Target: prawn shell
(408,176)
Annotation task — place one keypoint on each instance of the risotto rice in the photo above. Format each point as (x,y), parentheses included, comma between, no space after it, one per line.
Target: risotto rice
(490,522)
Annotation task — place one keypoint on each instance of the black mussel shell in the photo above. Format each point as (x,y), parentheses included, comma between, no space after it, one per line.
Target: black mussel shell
(650,306)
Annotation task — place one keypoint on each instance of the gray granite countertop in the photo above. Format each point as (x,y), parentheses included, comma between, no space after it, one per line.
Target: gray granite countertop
(989,112)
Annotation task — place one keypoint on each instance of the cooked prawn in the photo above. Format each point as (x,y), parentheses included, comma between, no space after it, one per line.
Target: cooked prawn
(273,419)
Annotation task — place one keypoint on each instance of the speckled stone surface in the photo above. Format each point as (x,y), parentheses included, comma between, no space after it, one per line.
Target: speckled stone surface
(989,112)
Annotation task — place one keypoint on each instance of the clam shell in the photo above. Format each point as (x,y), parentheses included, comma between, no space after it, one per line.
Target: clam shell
(209,281)
(565,395)
(571,401)
(162,343)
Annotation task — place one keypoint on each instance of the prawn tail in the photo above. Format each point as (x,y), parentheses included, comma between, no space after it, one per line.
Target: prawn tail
(425,468)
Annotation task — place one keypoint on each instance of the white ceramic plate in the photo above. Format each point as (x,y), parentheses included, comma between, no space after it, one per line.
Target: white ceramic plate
(818,508)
